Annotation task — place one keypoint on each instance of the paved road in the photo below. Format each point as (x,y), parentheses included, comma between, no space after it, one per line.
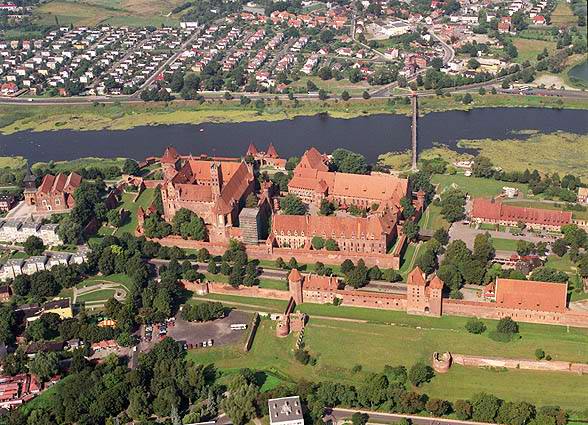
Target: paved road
(467,234)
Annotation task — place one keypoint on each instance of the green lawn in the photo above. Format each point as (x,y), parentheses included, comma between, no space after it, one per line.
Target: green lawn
(432,219)
(563,264)
(282,285)
(408,259)
(474,186)
(501,244)
(529,49)
(100,295)
(341,345)
(144,201)
(113,278)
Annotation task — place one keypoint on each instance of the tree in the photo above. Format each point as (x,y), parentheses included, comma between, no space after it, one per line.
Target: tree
(44,365)
(139,406)
(292,205)
(318,242)
(483,249)
(212,267)
(559,247)
(420,373)
(358,277)
(239,405)
(539,354)
(345,95)
(347,161)
(331,245)
(463,409)
(427,261)
(507,326)
(467,99)
(131,167)
(549,274)
(326,207)
(359,418)
(515,413)
(167,398)
(442,236)
(475,326)
(484,407)
(34,245)
(325,73)
(69,231)
(346,266)
(524,247)
(438,407)
(453,205)
(322,94)
(114,218)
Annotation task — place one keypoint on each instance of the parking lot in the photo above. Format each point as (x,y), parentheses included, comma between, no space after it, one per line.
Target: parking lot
(195,333)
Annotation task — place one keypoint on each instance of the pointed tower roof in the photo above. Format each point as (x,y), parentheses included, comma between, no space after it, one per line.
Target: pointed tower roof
(170,155)
(271,151)
(294,276)
(416,277)
(436,282)
(29,181)
(252,150)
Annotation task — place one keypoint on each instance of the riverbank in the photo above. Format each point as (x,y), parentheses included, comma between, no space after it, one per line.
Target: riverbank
(557,152)
(115,116)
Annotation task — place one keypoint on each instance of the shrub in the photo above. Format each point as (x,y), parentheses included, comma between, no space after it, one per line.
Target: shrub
(539,354)
(475,326)
(302,356)
(420,373)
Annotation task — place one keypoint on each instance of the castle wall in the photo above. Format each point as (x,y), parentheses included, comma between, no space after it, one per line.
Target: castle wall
(261,252)
(500,362)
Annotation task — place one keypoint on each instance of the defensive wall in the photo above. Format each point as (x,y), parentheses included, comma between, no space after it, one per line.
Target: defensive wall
(501,362)
(264,252)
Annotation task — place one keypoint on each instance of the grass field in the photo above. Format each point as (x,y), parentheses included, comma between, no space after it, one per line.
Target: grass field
(432,219)
(341,345)
(77,164)
(565,153)
(14,162)
(474,186)
(563,264)
(144,201)
(529,49)
(121,278)
(96,296)
(501,244)
(111,12)
(281,285)
(254,303)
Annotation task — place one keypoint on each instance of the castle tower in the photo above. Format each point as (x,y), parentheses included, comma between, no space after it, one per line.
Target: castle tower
(170,162)
(283,328)
(215,179)
(436,296)
(295,286)
(416,300)
(30,187)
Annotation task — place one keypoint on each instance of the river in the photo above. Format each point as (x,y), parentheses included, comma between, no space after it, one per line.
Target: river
(371,135)
(580,72)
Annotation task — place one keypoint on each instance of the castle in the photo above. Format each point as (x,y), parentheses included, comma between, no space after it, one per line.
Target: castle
(213,188)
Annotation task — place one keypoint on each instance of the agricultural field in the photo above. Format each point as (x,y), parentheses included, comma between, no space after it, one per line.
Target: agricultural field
(564,153)
(108,12)
(563,14)
(340,345)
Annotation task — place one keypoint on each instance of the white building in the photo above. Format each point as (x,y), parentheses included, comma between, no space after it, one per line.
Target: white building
(285,411)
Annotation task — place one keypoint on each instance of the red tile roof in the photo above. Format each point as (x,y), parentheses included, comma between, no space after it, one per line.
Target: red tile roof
(531,295)
(271,152)
(60,183)
(294,275)
(329,226)
(497,211)
(416,277)
(170,155)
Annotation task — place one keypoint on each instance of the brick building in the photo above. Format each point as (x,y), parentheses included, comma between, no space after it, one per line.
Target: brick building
(496,212)
(312,182)
(423,296)
(55,193)
(524,301)
(372,234)
(267,158)
(213,188)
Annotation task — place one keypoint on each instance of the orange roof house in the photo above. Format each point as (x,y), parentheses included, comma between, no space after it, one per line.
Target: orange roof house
(491,211)
(531,295)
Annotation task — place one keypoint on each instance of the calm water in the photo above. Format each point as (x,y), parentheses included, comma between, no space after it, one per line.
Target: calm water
(370,136)
(580,71)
